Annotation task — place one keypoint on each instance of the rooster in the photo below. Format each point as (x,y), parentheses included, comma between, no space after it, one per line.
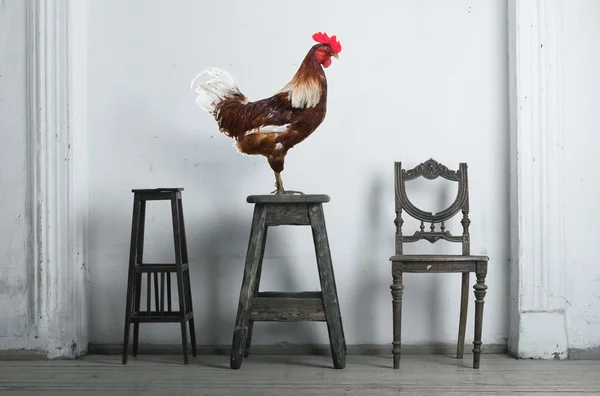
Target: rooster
(271,127)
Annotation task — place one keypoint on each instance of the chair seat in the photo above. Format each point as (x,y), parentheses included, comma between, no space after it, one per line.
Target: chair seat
(436,258)
(429,263)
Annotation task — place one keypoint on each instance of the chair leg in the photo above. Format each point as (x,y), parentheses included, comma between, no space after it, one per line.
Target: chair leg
(397,291)
(464,307)
(480,292)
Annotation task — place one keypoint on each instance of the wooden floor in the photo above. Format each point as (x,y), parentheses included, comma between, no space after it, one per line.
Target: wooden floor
(298,375)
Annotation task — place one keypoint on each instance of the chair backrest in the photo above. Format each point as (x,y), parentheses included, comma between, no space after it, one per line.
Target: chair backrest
(431,170)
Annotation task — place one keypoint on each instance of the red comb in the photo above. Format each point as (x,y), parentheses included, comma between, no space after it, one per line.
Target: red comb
(325,39)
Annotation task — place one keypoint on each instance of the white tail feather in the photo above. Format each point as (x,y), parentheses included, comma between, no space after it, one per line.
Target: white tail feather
(217,88)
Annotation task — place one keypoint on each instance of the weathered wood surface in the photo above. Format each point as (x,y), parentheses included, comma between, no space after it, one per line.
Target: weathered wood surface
(285,309)
(328,286)
(297,375)
(287,214)
(254,257)
(441,258)
(288,198)
(256,289)
(435,267)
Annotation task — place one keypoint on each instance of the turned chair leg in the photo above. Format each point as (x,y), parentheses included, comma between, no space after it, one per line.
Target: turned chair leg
(462,323)
(397,290)
(480,291)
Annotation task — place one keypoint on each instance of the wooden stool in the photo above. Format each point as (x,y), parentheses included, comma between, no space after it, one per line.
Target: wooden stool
(133,314)
(274,210)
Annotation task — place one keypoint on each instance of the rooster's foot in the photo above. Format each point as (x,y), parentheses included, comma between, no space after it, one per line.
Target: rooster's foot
(279,187)
(286,192)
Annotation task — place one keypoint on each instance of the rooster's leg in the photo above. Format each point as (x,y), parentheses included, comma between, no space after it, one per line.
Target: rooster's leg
(279,187)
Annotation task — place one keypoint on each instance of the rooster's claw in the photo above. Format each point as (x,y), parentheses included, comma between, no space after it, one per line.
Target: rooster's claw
(286,192)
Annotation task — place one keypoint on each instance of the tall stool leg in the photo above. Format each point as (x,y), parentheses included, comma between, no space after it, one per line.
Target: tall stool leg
(188,286)
(180,283)
(130,277)
(480,292)
(258,235)
(330,300)
(138,276)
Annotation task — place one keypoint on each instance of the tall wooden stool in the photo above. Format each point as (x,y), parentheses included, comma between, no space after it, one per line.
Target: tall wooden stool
(133,311)
(274,210)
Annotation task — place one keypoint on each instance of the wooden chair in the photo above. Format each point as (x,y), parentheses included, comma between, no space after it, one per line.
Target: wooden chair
(429,263)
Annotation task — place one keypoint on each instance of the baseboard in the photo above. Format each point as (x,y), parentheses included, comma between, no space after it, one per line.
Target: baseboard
(293,349)
(299,349)
(584,354)
(22,354)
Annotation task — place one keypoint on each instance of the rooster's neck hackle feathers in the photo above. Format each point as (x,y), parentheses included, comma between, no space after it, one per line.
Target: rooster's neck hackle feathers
(305,88)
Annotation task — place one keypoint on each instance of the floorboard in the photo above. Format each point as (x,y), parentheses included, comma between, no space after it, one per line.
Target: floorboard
(297,375)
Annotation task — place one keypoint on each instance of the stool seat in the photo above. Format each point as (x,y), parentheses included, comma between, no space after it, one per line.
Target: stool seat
(134,313)
(321,305)
(156,190)
(288,198)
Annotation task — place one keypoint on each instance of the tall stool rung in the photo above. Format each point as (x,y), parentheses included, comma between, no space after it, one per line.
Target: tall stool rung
(160,267)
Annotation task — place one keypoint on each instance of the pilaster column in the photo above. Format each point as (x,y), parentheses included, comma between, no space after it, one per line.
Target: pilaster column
(56,89)
(538,326)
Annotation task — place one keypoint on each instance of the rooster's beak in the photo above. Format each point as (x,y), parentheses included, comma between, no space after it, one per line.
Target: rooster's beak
(336,56)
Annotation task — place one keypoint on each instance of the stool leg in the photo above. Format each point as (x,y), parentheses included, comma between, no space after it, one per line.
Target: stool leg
(464,308)
(258,235)
(397,290)
(188,289)
(180,284)
(137,291)
(258,275)
(188,286)
(138,276)
(326,276)
(130,278)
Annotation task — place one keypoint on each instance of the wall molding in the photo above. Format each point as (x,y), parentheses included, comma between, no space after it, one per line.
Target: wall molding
(536,173)
(58,190)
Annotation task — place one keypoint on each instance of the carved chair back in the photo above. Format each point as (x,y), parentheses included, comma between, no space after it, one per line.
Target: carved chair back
(431,170)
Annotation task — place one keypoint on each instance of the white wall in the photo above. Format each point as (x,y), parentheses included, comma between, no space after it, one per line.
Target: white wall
(16,330)
(581,85)
(415,79)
